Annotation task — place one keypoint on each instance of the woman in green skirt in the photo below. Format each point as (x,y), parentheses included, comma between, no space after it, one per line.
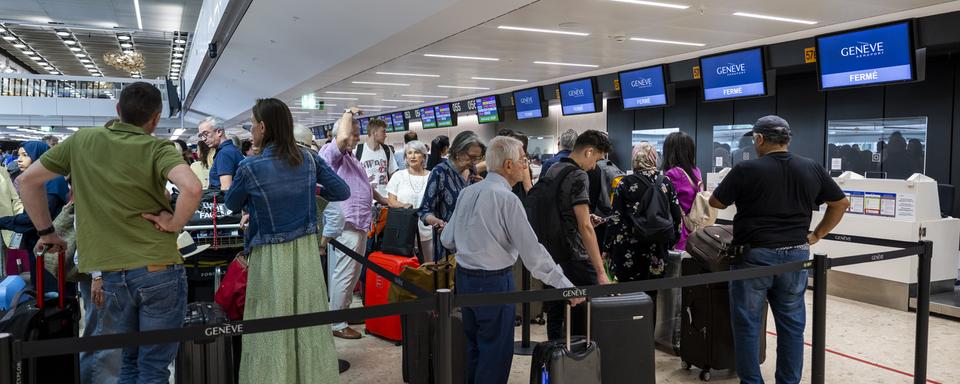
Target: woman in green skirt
(285,277)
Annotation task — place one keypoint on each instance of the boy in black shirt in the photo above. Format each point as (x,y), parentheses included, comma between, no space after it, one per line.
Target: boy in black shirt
(775,197)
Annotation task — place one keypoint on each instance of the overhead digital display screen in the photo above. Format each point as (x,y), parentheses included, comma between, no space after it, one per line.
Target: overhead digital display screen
(399,124)
(643,87)
(389,122)
(578,97)
(875,55)
(364,123)
(732,75)
(427,117)
(528,103)
(444,115)
(488,110)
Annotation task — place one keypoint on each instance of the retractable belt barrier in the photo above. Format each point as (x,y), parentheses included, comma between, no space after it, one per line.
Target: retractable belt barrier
(443,301)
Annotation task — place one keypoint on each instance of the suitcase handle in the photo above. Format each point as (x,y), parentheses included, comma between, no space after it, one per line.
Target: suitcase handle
(61,280)
(568,325)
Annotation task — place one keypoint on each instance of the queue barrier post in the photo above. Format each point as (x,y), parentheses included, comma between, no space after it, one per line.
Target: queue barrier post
(524,347)
(444,356)
(923,312)
(820,266)
(6,358)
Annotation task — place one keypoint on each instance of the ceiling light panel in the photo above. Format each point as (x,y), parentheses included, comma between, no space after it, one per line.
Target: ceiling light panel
(427,96)
(566,64)
(499,79)
(402,101)
(380,83)
(462,87)
(350,93)
(461,57)
(775,18)
(407,74)
(553,31)
(644,39)
(654,4)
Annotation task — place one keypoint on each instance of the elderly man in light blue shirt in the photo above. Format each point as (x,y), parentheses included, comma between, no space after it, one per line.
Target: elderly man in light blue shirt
(488,230)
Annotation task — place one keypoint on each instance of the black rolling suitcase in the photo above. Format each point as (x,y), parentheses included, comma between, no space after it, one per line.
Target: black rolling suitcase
(667,329)
(706,339)
(622,327)
(205,361)
(39,319)
(420,342)
(575,360)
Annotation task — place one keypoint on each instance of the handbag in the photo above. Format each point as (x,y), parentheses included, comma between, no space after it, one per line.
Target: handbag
(232,293)
(401,232)
(428,276)
(701,214)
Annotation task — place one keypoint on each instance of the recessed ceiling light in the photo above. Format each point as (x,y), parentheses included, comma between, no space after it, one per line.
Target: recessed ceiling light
(92,70)
(427,96)
(80,55)
(543,30)
(9,38)
(461,87)
(126,45)
(70,42)
(666,41)
(180,41)
(407,74)
(36,58)
(29,53)
(379,83)
(402,101)
(89,65)
(350,93)
(19,46)
(63,33)
(84,61)
(177,61)
(75,49)
(123,37)
(178,49)
(499,79)
(461,57)
(337,98)
(654,4)
(566,64)
(2,30)
(96,75)
(177,55)
(775,18)
(54,73)
(175,65)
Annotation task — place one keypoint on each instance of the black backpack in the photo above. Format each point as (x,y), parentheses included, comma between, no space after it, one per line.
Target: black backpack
(543,211)
(386,150)
(656,223)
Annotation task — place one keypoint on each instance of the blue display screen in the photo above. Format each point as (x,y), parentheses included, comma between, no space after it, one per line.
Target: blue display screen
(528,104)
(398,123)
(487,110)
(427,117)
(364,122)
(737,74)
(444,116)
(643,87)
(869,56)
(386,120)
(576,97)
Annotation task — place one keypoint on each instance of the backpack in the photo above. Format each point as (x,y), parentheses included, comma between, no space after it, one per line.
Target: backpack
(701,214)
(386,149)
(542,205)
(654,223)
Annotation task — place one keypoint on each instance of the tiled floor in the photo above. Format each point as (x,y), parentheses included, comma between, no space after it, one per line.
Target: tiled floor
(869,344)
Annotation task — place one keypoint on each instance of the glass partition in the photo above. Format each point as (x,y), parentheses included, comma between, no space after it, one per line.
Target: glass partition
(39,87)
(892,148)
(541,147)
(730,146)
(653,136)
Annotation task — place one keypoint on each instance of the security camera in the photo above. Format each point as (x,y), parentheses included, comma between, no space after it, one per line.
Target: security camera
(212,50)
(619,38)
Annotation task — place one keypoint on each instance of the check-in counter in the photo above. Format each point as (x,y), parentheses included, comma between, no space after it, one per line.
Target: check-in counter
(901,210)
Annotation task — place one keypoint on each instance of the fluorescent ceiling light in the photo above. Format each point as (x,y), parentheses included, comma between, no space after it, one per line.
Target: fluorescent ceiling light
(36,58)
(177,61)
(654,4)
(75,49)
(70,42)
(543,30)
(407,74)
(666,41)
(180,41)
(126,45)
(123,37)
(377,106)
(337,98)
(63,33)
(54,73)
(88,65)
(84,61)
(461,87)
(775,18)
(499,79)
(80,55)
(177,55)
(136,7)
(298,113)
(178,49)
(9,38)
(402,101)
(175,65)
(566,64)
(19,46)
(2,30)
(351,93)
(28,53)
(379,83)
(427,96)
(461,57)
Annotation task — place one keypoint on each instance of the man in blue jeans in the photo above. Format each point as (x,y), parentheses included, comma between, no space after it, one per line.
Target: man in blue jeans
(124,225)
(775,196)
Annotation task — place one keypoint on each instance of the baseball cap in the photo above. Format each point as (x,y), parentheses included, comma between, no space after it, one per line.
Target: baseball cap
(770,125)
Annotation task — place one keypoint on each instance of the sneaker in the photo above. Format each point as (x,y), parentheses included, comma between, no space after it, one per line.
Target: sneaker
(347,333)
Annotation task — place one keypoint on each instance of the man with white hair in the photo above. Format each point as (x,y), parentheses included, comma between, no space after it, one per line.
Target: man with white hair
(228,156)
(488,230)
(567,140)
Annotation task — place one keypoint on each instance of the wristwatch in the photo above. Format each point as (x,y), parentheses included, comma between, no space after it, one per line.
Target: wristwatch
(47,231)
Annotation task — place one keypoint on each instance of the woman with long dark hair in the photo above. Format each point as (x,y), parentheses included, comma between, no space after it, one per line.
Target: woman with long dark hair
(284,275)
(438,149)
(680,166)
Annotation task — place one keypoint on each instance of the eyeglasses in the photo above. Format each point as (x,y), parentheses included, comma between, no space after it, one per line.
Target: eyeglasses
(203,135)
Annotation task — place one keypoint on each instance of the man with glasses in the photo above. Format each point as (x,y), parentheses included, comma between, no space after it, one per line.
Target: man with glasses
(228,156)
(487,233)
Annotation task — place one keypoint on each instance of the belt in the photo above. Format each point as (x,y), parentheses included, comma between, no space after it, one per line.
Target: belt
(149,268)
(483,273)
(792,247)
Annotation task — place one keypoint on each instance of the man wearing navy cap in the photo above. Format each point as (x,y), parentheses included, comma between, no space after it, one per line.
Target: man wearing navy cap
(775,196)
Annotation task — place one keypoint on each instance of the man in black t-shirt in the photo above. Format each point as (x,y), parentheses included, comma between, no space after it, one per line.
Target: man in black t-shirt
(775,197)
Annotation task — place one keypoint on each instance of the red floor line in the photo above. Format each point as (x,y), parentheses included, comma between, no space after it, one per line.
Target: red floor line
(870,363)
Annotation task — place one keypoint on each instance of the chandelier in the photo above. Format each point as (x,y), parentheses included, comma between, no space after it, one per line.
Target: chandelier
(128,61)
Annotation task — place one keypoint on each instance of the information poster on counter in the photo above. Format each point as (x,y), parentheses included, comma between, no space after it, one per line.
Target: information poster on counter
(900,206)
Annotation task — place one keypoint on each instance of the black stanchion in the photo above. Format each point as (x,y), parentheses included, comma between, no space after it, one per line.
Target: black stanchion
(819,318)
(923,313)
(444,361)
(524,347)
(6,358)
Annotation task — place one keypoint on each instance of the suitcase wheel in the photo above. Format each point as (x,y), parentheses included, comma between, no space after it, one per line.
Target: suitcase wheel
(705,375)
(685,365)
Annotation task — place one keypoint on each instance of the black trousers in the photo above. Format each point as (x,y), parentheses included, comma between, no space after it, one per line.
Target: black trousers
(580,273)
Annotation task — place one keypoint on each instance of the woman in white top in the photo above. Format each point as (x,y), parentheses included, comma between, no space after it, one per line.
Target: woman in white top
(406,186)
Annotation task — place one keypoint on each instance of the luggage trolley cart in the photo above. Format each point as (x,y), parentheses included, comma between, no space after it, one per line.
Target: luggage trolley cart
(204,270)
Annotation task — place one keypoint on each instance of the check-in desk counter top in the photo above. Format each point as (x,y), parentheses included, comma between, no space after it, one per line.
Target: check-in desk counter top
(901,210)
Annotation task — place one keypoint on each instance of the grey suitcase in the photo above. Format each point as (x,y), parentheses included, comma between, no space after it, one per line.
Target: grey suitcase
(576,360)
(623,329)
(667,328)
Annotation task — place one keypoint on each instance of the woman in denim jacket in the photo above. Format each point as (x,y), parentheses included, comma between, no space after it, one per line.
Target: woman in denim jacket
(285,276)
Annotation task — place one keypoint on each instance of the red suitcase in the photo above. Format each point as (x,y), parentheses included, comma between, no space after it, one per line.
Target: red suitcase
(376,294)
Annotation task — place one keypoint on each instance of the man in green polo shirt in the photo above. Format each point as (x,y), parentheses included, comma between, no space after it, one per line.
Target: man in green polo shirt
(124,225)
